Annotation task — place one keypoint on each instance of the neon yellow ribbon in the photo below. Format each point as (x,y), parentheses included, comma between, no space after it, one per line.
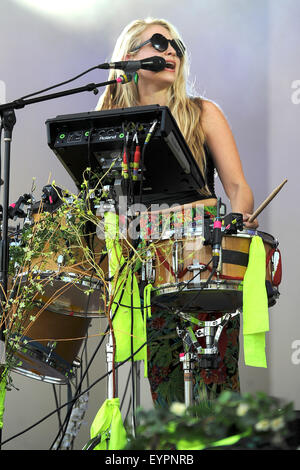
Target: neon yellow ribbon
(126,303)
(2,399)
(108,422)
(255,306)
(197,444)
(147,314)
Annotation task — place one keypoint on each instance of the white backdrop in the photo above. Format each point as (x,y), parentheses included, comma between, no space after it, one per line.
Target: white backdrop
(243,56)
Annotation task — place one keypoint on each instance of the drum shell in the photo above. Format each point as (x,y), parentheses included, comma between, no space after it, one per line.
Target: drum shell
(63,279)
(178,261)
(50,345)
(202,255)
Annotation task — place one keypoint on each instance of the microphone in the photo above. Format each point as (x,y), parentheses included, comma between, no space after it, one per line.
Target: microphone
(155,64)
(16,209)
(217,238)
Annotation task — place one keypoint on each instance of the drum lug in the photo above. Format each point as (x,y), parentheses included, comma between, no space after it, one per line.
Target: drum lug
(51,345)
(177,258)
(148,270)
(196,268)
(60,260)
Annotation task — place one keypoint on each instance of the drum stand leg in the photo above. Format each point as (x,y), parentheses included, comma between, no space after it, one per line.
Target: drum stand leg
(112,375)
(135,392)
(188,364)
(206,357)
(135,376)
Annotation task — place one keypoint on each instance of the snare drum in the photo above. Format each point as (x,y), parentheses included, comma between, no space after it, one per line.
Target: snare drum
(49,346)
(60,262)
(179,270)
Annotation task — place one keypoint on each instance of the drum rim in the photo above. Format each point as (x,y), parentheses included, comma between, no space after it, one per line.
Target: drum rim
(41,378)
(64,276)
(60,310)
(187,286)
(248,233)
(36,351)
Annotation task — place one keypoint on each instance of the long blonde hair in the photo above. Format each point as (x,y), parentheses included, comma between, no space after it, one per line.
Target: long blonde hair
(186,110)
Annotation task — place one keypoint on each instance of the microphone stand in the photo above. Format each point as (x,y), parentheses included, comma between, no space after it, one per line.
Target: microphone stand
(8,120)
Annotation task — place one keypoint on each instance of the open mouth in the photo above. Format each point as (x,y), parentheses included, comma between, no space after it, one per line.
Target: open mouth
(170,65)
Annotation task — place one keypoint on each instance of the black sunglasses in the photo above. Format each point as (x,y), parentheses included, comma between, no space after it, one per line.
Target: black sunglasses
(161,44)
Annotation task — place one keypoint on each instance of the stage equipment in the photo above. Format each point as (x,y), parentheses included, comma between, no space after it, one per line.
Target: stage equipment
(67,275)
(50,345)
(181,244)
(165,171)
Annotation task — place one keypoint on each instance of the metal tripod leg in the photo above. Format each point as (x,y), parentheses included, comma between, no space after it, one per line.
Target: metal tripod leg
(136,392)
(188,367)
(110,378)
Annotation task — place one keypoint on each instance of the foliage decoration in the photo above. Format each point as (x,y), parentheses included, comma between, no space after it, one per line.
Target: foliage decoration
(232,421)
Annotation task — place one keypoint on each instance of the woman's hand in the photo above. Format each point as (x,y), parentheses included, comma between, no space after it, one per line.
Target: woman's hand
(253,224)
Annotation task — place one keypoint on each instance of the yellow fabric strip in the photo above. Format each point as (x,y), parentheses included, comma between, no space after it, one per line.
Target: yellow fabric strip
(255,306)
(198,444)
(126,297)
(108,422)
(2,399)
(147,314)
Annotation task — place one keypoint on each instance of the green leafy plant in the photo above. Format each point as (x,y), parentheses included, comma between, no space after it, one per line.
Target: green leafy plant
(231,421)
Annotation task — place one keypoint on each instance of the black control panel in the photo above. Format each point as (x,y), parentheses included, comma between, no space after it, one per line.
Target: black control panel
(97,139)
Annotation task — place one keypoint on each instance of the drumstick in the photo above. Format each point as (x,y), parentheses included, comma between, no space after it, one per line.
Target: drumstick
(266,201)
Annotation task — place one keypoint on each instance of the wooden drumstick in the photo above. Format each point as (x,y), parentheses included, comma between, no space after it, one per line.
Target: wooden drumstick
(266,202)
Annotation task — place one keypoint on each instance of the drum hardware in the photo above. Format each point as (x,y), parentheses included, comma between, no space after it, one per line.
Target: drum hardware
(52,361)
(188,365)
(177,258)
(194,354)
(223,291)
(196,268)
(51,345)
(112,385)
(105,206)
(60,261)
(148,269)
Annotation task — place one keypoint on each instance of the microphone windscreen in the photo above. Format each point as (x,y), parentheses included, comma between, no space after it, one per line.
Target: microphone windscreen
(155,64)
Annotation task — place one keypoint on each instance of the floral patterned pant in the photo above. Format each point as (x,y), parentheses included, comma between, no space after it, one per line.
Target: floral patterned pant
(165,370)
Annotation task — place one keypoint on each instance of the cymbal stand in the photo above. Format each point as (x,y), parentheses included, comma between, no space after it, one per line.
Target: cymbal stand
(194,354)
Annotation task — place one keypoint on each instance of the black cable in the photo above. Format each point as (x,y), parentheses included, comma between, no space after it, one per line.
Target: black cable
(125,389)
(59,84)
(57,404)
(1,129)
(82,378)
(82,393)
(147,140)
(77,394)
(133,391)
(128,409)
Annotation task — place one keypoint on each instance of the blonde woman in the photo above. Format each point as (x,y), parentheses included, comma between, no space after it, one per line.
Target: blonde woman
(210,139)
